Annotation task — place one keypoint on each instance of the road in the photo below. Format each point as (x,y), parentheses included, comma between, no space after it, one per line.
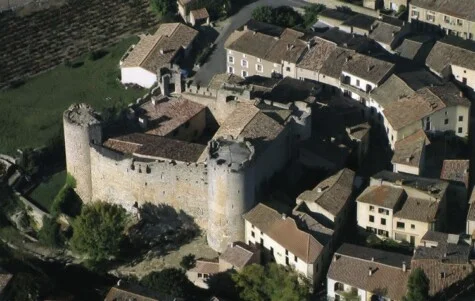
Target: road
(217,61)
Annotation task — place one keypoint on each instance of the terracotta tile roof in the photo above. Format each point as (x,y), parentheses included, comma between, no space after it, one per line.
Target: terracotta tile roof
(418,210)
(333,66)
(200,14)
(144,145)
(333,193)
(435,188)
(219,79)
(249,123)
(317,55)
(155,51)
(385,196)
(408,151)
(287,47)
(137,293)
(409,48)
(238,254)
(391,90)
(463,9)
(168,114)
(444,54)
(384,32)
(206,267)
(284,232)
(350,265)
(455,170)
(368,68)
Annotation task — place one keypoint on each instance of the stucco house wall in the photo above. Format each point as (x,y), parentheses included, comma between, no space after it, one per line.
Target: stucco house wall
(138,75)
(363,215)
(253,66)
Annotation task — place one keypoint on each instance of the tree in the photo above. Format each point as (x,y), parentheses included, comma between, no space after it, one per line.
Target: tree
(98,230)
(263,14)
(417,286)
(27,286)
(272,282)
(164,7)
(188,262)
(311,12)
(170,281)
(50,233)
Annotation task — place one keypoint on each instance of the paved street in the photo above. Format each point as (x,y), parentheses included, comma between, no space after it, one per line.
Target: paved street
(217,61)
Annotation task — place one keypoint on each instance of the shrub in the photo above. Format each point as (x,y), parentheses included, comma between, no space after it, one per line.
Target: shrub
(98,54)
(188,261)
(50,233)
(170,281)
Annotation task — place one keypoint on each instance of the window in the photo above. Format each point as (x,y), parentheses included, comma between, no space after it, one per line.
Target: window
(446,121)
(383,221)
(413,226)
(358,82)
(231,70)
(295,258)
(383,211)
(253,234)
(459,22)
(200,275)
(460,118)
(383,233)
(446,19)
(400,225)
(259,68)
(231,59)
(286,252)
(415,13)
(287,69)
(187,124)
(244,73)
(430,16)
(460,130)
(371,208)
(371,219)
(244,63)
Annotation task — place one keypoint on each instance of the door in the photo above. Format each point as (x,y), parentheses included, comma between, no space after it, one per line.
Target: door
(413,240)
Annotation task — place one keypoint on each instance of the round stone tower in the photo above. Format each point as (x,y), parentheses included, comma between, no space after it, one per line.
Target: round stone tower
(231,190)
(82,126)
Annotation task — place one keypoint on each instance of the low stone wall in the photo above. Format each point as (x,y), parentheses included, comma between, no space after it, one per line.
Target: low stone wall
(34,212)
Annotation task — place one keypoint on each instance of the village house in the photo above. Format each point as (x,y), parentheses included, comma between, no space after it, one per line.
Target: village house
(251,52)
(450,58)
(402,207)
(283,240)
(451,17)
(456,172)
(125,292)
(409,153)
(395,5)
(471,217)
(360,273)
(434,109)
(143,63)
(447,262)
(331,201)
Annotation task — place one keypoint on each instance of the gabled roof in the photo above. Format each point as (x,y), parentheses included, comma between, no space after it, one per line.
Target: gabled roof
(155,51)
(286,47)
(368,68)
(205,266)
(408,151)
(391,90)
(351,265)
(238,254)
(317,55)
(360,21)
(333,193)
(418,210)
(200,14)
(384,32)
(128,292)
(446,53)
(455,170)
(333,66)
(463,9)
(384,196)
(285,232)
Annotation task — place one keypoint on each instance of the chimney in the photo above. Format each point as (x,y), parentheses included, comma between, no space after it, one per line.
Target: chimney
(336,257)
(370,271)
(461,93)
(372,258)
(162,51)
(284,216)
(393,34)
(119,282)
(245,27)
(319,189)
(404,267)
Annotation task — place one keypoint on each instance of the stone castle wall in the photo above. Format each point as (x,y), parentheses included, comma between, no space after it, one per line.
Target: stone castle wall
(117,179)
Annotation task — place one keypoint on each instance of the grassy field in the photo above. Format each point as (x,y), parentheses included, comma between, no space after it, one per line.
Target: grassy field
(32,113)
(46,191)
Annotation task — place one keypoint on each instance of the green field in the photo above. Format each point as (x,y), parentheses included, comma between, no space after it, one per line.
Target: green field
(44,194)
(32,113)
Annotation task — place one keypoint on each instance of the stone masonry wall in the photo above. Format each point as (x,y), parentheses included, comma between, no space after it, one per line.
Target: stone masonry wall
(181,185)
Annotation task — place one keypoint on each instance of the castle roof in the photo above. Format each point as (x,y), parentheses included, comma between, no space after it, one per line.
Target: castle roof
(165,114)
(151,146)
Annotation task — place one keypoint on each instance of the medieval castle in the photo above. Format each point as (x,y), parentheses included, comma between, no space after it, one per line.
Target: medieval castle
(205,150)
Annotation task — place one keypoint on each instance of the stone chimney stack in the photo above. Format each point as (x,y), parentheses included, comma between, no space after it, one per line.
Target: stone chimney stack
(404,267)
(370,272)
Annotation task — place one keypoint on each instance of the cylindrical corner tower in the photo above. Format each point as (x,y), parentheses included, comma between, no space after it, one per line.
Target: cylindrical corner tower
(231,190)
(81,127)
